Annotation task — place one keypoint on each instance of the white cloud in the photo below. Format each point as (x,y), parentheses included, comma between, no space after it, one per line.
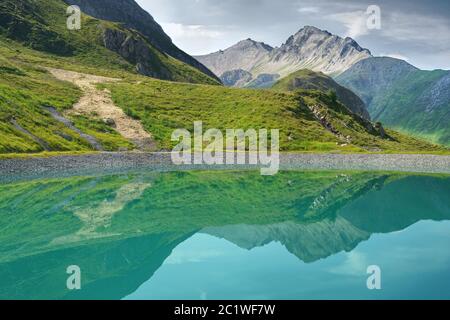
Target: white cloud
(180,256)
(395,55)
(178,30)
(355,22)
(197,39)
(308,10)
(355,264)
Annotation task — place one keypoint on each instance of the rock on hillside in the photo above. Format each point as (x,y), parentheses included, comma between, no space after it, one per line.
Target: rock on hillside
(134,17)
(236,78)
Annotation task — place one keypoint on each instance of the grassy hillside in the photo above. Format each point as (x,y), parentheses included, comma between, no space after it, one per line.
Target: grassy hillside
(403,97)
(42,26)
(373,76)
(132,16)
(164,107)
(25,91)
(419,105)
(310,80)
(33,35)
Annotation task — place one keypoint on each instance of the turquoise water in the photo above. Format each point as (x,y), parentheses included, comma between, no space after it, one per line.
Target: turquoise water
(226,235)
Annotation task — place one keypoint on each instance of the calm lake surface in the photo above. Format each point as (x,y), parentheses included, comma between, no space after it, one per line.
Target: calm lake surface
(226,235)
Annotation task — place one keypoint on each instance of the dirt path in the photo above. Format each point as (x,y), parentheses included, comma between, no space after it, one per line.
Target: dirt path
(98,103)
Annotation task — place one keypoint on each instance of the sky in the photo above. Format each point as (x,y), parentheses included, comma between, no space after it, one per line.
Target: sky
(417,31)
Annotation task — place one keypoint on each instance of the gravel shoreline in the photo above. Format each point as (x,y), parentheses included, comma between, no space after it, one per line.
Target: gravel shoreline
(106,163)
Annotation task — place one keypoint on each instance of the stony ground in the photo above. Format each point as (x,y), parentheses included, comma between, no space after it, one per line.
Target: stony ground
(103,163)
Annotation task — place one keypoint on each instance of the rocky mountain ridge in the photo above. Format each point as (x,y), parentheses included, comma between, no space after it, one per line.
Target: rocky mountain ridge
(310,48)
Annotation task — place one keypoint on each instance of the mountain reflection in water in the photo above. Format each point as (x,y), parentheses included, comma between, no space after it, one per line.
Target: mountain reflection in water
(120,229)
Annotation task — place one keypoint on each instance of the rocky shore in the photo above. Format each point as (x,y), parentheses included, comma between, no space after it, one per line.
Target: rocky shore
(105,163)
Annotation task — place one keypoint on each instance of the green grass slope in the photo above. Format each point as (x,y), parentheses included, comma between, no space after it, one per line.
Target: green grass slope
(24,92)
(165,106)
(403,97)
(42,25)
(418,104)
(310,80)
(33,35)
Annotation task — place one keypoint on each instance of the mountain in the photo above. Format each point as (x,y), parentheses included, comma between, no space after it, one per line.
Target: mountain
(403,97)
(50,77)
(245,55)
(318,50)
(310,80)
(310,48)
(371,77)
(388,207)
(132,16)
(308,242)
(244,79)
(42,26)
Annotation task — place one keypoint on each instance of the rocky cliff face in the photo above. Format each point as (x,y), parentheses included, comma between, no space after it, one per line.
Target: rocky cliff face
(317,50)
(135,50)
(134,17)
(310,48)
(236,78)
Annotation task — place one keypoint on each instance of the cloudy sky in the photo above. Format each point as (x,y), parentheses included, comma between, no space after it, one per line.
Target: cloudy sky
(415,30)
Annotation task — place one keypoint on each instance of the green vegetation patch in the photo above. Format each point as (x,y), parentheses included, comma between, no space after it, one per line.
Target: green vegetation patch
(25,125)
(164,106)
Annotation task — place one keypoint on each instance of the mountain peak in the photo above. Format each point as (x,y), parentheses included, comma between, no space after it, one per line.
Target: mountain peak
(310,47)
(248,41)
(243,44)
(312,29)
(305,34)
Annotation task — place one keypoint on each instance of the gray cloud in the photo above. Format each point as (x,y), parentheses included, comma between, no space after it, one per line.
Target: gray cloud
(418,30)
